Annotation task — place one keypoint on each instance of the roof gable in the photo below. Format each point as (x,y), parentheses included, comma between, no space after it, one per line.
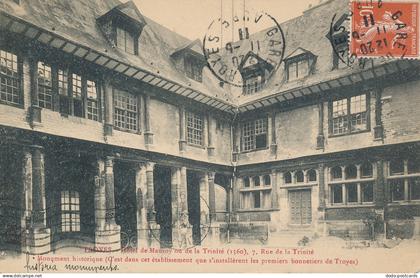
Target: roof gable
(253,60)
(126,12)
(298,52)
(194,46)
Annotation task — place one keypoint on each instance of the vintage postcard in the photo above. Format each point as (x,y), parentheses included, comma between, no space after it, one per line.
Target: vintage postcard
(210,136)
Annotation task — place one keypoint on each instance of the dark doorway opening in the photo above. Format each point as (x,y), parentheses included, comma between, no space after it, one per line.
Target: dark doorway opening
(10,199)
(69,192)
(126,203)
(162,190)
(193,191)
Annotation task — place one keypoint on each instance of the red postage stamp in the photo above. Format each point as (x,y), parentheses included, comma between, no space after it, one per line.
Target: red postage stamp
(384,29)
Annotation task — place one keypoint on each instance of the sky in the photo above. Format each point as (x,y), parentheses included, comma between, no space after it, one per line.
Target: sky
(191,18)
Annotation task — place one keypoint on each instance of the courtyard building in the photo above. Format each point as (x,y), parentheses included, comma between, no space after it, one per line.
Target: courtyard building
(114,133)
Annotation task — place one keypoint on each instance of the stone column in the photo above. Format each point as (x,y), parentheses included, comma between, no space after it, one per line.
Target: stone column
(109,191)
(185,228)
(204,205)
(100,201)
(175,208)
(39,236)
(212,196)
(141,189)
(27,198)
(153,227)
(322,227)
(107,232)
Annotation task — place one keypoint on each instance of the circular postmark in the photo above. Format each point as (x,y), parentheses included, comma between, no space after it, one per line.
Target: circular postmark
(182,229)
(244,46)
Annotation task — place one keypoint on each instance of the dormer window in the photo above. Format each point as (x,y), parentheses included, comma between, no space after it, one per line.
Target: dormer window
(299,64)
(298,69)
(122,27)
(190,60)
(126,42)
(253,85)
(193,69)
(254,71)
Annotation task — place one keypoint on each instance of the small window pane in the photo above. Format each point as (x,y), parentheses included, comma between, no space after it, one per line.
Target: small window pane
(351,172)
(351,193)
(256,181)
(288,177)
(366,170)
(267,180)
(397,190)
(311,175)
(300,177)
(414,188)
(246,182)
(336,173)
(337,194)
(413,165)
(396,167)
(367,192)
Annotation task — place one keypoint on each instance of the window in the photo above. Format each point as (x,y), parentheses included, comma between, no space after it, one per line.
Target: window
(267,180)
(70,211)
(351,172)
(404,180)
(337,194)
(341,52)
(253,85)
(195,129)
(256,181)
(254,135)
(77,95)
(92,100)
(63,91)
(300,177)
(125,41)
(355,188)
(311,175)
(44,86)
(246,182)
(336,173)
(349,115)
(255,196)
(193,68)
(366,170)
(125,111)
(288,177)
(297,68)
(10,91)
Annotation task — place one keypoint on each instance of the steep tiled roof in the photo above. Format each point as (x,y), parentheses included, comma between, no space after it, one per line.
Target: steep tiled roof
(76,20)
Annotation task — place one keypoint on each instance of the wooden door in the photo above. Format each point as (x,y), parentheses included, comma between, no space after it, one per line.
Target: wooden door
(300,207)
